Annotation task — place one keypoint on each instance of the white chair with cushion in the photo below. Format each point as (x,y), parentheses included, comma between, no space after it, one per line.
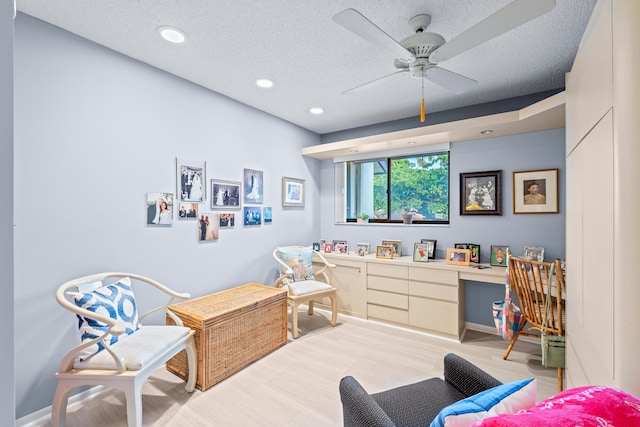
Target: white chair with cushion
(115,349)
(302,283)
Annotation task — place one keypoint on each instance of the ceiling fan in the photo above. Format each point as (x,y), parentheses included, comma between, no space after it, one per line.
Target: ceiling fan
(421,53)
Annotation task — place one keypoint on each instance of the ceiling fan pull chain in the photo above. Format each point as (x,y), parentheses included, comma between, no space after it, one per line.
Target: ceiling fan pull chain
(422,104)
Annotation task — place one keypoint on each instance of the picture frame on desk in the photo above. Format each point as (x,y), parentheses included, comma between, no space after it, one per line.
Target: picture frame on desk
(316,246)
(328,248)
(473,248)
(421,252)
(456,256)
(432,247)
(384,251)
(499,255)
(396,244)
(535,191)
(362,249)
(336,243)
(341,248)
(535,253)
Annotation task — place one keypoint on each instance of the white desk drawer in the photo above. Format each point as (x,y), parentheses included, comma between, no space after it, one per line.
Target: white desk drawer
(388,299)
(434,290)
(386,313)
(400,286)
(432,275)
(438,316)
(389,270)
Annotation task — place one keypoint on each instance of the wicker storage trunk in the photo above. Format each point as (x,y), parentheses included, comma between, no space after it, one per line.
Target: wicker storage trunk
(233,329)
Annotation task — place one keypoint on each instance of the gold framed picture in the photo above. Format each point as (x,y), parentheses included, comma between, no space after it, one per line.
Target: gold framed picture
(384,251)
(456,256)
(396,244)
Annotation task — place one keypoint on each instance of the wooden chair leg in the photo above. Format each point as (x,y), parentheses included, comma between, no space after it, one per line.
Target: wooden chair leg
(192,362)
(133,395)
(294,320)
(334,310)
(511,344)
(560,379)
(59,407)
(310,305)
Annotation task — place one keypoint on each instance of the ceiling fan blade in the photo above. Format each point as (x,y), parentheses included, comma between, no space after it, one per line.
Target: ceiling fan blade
(355,22)
(509,17)
(449,80)
(372,83)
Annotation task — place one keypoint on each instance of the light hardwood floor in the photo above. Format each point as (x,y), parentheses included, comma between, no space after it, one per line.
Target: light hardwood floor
(297,385)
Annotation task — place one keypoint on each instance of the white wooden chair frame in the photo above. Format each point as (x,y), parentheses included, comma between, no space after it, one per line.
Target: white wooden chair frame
(295,300)
(129,381)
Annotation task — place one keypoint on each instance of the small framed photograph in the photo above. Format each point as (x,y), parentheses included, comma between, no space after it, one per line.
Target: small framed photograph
(457,256)
(475,252)
(362,249)
(227,220)
(225,194)
(208,227)
(535,191)
(292,192)
(461,245)
(191,181)
(188,211)
(396,244)
(336,243)
(328,248)
(268,215)
(499,255)
(535,253)
(481,193)
(316,246)
(432,247)
(160,209)
(253,186)
(421,252)
(384,251)
(341,248)
(252,215)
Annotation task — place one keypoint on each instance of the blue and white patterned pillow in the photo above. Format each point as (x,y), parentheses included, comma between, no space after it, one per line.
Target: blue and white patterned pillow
(300,260)
(115,301)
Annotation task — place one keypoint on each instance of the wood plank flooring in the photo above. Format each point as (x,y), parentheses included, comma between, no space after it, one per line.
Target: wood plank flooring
(297,385)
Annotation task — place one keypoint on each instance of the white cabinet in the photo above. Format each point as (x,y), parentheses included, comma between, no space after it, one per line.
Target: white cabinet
(349,278)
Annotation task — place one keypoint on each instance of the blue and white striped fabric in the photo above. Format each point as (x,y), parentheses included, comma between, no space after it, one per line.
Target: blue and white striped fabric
(503,399)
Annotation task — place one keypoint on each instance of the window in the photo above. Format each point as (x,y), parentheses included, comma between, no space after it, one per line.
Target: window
(385,189)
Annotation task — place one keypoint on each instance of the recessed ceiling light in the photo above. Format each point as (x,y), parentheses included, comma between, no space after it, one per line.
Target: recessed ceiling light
(264,83)
(487,131)
(411,143)
(353,151)
(316,110)
(172,34)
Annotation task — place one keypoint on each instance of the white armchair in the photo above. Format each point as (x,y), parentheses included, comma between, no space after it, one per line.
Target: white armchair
(115,349)
(302,283)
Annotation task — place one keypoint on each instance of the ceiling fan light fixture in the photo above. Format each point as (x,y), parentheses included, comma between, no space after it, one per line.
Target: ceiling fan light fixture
(172,34)
(316,110)
(487,131)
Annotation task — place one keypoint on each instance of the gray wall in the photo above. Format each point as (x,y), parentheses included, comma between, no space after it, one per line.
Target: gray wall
(531,151)
(7,403)
(94,132)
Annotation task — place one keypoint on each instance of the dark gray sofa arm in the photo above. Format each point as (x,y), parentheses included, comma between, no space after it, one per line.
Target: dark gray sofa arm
(465,377)
(359,408)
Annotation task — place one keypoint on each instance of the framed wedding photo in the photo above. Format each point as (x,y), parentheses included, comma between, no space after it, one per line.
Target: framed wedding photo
(457,256)
(191,181)
(481,193)
(292,192)
(225,194)
(253,186)
(252,215)
(535,192)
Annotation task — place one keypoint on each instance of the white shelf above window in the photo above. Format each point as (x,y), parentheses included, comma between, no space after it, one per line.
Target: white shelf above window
(543,115)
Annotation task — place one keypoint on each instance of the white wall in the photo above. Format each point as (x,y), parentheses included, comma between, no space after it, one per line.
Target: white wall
(7,403)
(94,132)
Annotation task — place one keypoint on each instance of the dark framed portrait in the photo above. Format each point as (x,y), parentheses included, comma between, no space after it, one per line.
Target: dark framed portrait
(481,193)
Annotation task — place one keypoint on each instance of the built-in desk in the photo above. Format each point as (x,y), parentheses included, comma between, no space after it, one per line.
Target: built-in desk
(427,296)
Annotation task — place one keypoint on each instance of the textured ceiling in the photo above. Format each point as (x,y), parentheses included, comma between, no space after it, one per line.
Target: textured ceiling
(312,59)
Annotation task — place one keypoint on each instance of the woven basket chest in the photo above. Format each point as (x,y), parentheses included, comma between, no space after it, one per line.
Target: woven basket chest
(233,328)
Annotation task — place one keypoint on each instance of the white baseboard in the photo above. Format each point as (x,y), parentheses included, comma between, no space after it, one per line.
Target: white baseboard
(43,416)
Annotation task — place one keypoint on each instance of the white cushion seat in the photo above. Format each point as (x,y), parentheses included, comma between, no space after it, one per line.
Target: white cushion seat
(307,287)
(138,350)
